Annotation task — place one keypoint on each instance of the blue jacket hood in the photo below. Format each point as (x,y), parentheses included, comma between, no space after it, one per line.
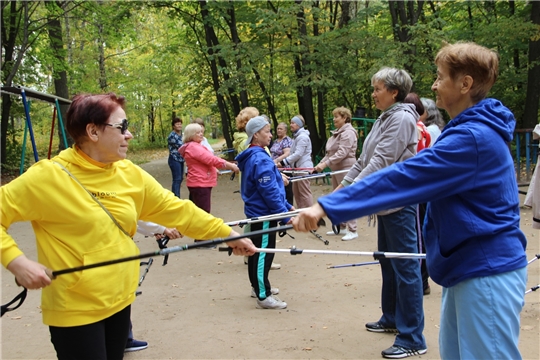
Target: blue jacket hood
(490,112)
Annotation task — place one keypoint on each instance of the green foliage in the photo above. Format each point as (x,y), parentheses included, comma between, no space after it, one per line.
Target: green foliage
(11,164)
(155,53)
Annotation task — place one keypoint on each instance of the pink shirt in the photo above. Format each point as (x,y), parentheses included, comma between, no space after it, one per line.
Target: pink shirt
(201,164)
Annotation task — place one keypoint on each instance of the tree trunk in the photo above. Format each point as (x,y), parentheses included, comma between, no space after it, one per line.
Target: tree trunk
(231,21)
(305,93)
(320,92)
(530,114)
(18,17)
(209,35)
(54,28)
(345,14)
(8,45)
(151,119)
(269,103)
(404,15)
(101,60)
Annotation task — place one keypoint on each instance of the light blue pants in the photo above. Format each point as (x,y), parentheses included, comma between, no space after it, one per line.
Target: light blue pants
(480,317)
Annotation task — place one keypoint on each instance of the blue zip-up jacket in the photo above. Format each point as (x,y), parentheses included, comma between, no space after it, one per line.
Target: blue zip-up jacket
(261,186)
(472,220)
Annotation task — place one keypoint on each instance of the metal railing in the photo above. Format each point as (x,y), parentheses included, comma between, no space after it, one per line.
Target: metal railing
(523,144)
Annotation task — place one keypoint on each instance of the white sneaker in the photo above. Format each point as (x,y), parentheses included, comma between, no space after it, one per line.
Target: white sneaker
(274,291)
(275,266)
(271,302)
(349,236)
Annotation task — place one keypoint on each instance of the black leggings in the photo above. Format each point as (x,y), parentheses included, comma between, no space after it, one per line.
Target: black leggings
(259,263)
(105,339)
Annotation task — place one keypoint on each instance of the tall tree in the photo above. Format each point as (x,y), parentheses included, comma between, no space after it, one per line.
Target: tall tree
(54,28)
(530,114)
(404,15)
(211,43)
(19,33)
(304,91)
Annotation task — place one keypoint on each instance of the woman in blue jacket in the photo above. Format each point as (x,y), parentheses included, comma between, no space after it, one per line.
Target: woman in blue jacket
(263,194)
(475,248)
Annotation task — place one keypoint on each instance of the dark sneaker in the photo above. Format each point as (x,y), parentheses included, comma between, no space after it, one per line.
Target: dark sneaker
(135,345)
(398,352)
(377,327)
(427,290)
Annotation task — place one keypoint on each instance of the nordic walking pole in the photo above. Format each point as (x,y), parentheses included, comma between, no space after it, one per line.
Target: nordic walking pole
(536,257)
(162,252)
(352,265)
(376,254)
(326,242)
(317,176)
(265,218)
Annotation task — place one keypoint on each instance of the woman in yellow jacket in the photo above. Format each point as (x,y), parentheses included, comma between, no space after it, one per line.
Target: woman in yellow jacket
(64,198)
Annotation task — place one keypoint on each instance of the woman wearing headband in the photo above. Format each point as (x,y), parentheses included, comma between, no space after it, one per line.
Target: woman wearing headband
(300,157)
(263,194)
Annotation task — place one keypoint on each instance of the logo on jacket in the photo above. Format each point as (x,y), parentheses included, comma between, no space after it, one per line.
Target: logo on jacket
(104,194)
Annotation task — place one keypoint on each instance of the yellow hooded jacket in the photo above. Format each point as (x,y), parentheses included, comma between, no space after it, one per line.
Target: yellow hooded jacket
(73,230)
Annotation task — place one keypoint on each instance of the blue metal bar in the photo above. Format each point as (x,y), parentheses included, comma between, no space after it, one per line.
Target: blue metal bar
(528,154)
(518,156)
(23,153)
(61,121)
(27,113)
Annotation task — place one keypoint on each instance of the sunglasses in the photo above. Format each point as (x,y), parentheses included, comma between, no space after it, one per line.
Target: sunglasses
(121,125)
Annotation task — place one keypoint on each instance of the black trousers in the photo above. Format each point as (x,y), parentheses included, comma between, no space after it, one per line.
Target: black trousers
(103,340)
(289,194)
(423,267)
(259,263)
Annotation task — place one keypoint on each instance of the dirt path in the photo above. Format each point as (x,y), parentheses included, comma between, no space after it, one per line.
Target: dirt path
(198,306)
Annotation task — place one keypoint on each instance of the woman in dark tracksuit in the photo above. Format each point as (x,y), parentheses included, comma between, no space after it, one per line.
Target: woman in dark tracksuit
(263,194)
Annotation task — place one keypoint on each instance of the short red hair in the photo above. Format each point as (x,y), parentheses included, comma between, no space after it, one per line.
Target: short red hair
(90,109)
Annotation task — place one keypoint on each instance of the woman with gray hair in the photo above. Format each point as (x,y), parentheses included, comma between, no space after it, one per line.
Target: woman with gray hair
(300,157)
(202,167)
(393,139)
(432,118)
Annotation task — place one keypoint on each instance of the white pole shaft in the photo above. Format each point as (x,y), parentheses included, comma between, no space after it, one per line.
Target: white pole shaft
(536,257)
(317,176)
(376,254)
(265,218)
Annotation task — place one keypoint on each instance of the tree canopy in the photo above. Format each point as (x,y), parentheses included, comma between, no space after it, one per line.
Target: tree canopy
(209,59)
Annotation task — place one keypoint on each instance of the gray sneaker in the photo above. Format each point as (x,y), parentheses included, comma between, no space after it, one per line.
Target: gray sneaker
(271,302)
(274,291)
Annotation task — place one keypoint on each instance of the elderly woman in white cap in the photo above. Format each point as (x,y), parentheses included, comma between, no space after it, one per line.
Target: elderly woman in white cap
(300,157)
(263,194)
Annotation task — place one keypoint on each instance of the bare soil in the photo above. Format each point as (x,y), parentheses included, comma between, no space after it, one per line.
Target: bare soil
(199,305)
